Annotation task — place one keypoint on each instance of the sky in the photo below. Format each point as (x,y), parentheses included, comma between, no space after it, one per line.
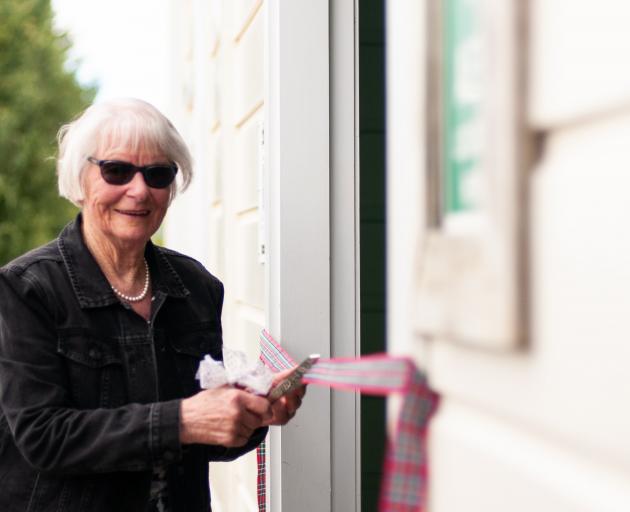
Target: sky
(122,46)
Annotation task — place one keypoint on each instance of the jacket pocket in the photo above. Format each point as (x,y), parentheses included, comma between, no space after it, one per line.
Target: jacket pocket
(190,345)
(95,369)
(197,344)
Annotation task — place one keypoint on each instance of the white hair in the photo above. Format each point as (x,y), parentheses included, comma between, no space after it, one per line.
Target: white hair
(125,123)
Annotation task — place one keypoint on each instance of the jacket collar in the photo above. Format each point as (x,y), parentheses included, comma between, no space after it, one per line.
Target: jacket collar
(88,281)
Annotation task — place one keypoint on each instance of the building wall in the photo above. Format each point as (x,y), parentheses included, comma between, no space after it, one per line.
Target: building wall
(543,427)
(218,98)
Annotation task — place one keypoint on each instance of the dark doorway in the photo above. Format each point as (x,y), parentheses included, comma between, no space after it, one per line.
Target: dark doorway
(372,233)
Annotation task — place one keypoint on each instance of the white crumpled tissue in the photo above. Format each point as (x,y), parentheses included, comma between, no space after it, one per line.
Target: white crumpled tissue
(235,370)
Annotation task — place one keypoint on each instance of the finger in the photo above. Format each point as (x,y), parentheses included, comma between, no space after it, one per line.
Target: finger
(293,402)
(242,431)
(284,410)
(299,392)
(280,376)
(257,405)
(243,400)
(281,414)
(251,421)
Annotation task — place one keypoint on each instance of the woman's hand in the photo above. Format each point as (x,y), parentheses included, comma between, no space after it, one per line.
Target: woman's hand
(285,407)
(223,416)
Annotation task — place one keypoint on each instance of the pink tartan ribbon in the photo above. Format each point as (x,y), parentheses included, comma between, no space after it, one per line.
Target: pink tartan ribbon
(404,484)
(261,477)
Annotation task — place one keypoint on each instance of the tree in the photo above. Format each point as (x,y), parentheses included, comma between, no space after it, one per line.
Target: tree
(38,94)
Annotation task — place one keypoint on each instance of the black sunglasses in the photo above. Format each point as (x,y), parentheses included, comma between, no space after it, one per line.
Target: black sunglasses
(116,172)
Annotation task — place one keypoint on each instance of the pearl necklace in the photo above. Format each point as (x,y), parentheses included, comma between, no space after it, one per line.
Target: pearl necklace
(143,293)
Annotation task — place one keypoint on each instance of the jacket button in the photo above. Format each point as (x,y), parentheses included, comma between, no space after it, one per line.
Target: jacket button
(94,353)
(169,455)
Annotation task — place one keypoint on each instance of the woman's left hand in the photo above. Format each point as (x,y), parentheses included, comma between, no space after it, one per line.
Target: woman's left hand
(285,407)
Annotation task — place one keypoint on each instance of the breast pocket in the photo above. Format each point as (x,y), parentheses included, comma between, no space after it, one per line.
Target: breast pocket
(190,345)
(95,369)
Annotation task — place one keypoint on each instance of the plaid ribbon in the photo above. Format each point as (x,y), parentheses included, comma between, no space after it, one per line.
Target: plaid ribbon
(261,477)
(404,483)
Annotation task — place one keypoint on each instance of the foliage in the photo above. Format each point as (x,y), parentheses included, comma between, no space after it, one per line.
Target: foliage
(37,95)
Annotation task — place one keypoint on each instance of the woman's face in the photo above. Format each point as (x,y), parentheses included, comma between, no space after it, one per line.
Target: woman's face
(124,214)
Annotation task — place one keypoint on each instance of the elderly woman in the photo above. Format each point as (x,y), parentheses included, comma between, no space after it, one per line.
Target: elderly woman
(101,333)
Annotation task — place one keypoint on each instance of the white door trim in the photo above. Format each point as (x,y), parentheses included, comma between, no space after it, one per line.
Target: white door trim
(345,260)
(297,197)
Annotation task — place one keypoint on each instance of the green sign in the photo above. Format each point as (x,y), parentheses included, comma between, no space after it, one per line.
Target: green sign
(463,127)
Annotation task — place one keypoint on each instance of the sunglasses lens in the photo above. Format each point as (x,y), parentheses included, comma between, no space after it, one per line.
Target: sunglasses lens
(121,173)
(160,176)
(117,173)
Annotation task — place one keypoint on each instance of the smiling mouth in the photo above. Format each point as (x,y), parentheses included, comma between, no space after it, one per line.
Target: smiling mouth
(134,213)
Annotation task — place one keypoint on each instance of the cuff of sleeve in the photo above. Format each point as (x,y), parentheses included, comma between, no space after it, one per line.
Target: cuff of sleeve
(164,432)
(223,454)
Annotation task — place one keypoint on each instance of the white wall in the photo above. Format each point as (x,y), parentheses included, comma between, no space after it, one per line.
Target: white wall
(238,66)
(545,427)
(218,103)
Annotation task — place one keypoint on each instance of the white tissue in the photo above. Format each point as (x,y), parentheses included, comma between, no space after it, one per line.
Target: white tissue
(235,371)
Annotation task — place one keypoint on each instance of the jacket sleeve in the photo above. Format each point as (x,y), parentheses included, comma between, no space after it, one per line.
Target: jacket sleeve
(51,434)
(223,454)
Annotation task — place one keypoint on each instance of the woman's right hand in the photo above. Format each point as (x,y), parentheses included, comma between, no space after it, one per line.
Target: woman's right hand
(222,416)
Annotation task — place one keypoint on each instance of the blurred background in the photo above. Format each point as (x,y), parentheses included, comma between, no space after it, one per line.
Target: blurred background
(440,179)
(56,57)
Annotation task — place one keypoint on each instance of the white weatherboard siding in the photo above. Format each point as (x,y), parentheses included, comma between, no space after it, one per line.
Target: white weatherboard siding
(218,96)
(546,427)
(241,67)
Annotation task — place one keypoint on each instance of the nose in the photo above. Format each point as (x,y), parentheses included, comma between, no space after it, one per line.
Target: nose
(137,187)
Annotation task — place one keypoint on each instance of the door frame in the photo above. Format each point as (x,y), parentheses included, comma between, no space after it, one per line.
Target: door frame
(310,215)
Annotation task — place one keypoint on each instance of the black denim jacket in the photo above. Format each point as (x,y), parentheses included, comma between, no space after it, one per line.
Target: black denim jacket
(90,391)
